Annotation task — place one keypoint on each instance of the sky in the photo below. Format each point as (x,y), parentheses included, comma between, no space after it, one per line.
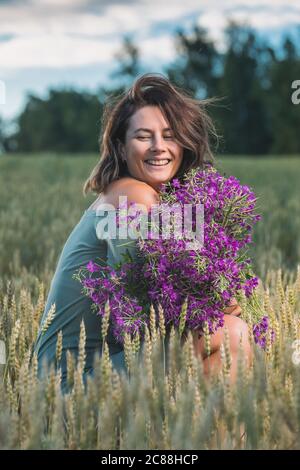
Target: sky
(72,43)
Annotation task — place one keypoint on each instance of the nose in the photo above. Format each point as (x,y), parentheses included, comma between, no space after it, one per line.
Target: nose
(157,144)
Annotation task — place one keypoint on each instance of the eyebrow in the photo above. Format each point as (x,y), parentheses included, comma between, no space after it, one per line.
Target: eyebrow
(149,130)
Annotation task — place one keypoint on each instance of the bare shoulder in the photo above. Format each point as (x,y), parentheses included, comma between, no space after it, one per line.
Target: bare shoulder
(135,191)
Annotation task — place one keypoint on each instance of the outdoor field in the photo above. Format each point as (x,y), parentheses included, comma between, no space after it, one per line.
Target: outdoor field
(40,202)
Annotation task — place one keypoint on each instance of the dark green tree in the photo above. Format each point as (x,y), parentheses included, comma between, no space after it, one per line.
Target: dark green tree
(128,63)
(67,121)
(244,118)
(2,135)
(285,115)
(197,67)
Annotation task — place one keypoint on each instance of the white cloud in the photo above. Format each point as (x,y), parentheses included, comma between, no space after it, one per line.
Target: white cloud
(29,22)
(262,18)
(61,33)
(78,38)
(54,51)
(161,47)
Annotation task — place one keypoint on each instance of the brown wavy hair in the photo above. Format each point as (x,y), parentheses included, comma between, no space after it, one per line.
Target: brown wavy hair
(187,116)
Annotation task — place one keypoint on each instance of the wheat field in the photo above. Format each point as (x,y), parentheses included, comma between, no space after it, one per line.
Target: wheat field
(163,400)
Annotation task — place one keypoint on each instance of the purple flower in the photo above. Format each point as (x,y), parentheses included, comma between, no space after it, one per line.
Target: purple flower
(260,332)
(167,273)
(90,282)
(92,267)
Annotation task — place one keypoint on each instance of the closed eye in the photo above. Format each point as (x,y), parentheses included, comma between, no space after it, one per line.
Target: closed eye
(145,137)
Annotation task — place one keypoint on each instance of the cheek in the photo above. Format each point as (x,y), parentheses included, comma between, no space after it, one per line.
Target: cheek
(137,151)
(178,152)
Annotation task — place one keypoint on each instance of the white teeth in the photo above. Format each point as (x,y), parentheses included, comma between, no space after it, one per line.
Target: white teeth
(157,162)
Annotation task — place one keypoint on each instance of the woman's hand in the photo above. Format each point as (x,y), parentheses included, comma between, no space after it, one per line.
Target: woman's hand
(233,308)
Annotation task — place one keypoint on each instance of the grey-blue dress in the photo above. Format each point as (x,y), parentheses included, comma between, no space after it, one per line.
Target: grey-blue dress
(72,305)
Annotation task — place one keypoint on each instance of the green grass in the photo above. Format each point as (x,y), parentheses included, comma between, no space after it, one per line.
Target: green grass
(41,200)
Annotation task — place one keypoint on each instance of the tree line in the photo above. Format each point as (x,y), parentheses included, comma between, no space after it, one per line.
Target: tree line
(254,113)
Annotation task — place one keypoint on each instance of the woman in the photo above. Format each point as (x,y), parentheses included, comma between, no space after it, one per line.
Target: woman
(151,134)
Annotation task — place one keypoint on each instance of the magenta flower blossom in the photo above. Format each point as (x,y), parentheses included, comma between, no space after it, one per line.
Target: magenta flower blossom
(166,272)
(92,267)
(260,332)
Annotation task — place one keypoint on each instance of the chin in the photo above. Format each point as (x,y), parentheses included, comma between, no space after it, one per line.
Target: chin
(164,180)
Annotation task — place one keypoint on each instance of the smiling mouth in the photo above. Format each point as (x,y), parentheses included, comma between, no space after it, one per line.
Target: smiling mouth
(162,162)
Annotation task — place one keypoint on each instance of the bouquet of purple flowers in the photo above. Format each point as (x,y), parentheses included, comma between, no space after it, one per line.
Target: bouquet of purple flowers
(191,262)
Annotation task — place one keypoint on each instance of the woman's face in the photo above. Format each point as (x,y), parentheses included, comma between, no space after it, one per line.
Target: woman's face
(150,151)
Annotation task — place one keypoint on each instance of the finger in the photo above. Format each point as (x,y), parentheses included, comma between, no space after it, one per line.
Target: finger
(231,308)
(232,304)
(236,311)
(233,301)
